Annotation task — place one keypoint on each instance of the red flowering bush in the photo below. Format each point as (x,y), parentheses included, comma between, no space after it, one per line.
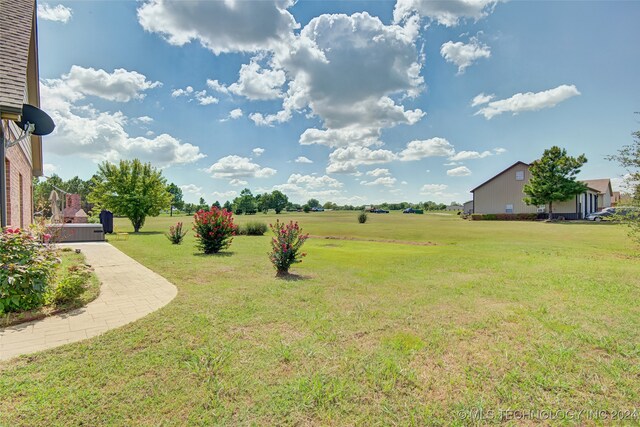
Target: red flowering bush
(285,247)
(176,234)
(214,229)
(26,269)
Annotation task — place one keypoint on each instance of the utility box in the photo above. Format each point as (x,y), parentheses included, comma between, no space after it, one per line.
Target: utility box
(106,219)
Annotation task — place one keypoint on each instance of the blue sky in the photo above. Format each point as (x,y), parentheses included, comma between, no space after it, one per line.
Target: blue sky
(347,101)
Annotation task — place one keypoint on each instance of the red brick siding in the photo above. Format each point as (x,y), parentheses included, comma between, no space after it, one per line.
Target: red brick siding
(18,165)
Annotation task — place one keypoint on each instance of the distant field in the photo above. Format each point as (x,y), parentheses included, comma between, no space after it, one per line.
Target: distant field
(404,320)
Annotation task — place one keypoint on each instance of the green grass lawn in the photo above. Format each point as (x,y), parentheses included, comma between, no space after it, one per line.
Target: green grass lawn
(407,319)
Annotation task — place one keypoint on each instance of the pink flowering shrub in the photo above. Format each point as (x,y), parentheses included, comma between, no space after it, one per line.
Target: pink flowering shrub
(176,234)
(286,245)
(214,229)
(26,269)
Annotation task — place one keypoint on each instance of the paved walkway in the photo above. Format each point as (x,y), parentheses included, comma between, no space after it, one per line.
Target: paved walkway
(128,292)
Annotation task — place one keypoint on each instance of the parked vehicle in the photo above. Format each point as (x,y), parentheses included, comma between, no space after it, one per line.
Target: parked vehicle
(378,211)
(613,213)
(603,214)
(408,210)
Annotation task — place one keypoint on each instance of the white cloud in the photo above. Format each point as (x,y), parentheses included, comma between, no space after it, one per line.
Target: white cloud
(49,169)
(254,82)
(463,55)
(144,119)
(121,85)
(182,92)
(379,172)
(472,155)
(448,13)
(386,181)
(217,86)
(347,159)
(234,167)
(459,171)
(404,183)
(225,195)
(83,131)
(481,99)
(433,188)
(58,13)
(303,159)
(235,113)
(257,151)
(312,181)
(303,187)
(204,99)
(221,26)
(469,155)
(238,182)
(200,96)
(191,189)
(529,101)
(351,72)
(261,120)
(434,147)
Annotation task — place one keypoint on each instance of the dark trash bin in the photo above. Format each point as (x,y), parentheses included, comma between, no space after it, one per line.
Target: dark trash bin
(106,219)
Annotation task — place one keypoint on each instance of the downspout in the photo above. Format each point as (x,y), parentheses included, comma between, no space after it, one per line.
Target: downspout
(3,181)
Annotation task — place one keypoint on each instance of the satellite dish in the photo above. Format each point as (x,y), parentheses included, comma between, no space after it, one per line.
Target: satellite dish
(44,124)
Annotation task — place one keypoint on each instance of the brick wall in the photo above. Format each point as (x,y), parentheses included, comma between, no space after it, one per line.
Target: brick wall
(18,170)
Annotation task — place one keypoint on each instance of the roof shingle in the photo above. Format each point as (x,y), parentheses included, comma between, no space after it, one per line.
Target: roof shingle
(16,18)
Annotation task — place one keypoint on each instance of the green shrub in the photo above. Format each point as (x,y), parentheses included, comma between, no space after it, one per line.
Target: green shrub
(26,269)
(70,287)
(176,234)
(362,217)
(285,247)
(505,217)
(214,229)
(253,228)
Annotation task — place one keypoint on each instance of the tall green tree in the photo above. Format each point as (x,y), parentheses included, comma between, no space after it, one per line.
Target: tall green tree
(131,189)
(263,201)
(176,201)
(279,201)
(553,178)
(202,204)
(245,202)
(313,203)
(629,158)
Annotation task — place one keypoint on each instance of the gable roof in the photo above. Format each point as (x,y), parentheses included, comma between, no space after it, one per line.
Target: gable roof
(495,176)
(16,25)
(601,185)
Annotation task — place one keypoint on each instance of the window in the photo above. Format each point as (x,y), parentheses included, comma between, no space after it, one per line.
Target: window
(519,175)
(508,208)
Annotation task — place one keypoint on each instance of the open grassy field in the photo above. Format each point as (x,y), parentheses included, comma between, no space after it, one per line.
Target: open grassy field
(404,320)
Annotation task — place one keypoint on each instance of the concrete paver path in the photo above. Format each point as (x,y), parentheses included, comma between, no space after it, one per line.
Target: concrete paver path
(128,292)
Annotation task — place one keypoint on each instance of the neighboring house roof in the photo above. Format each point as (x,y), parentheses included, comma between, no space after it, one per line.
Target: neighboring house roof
(495,176)
(601,185)
(16,23)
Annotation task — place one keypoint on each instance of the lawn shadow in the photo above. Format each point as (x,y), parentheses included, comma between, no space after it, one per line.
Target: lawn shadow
(218,255)
(292,277)
(583,222)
